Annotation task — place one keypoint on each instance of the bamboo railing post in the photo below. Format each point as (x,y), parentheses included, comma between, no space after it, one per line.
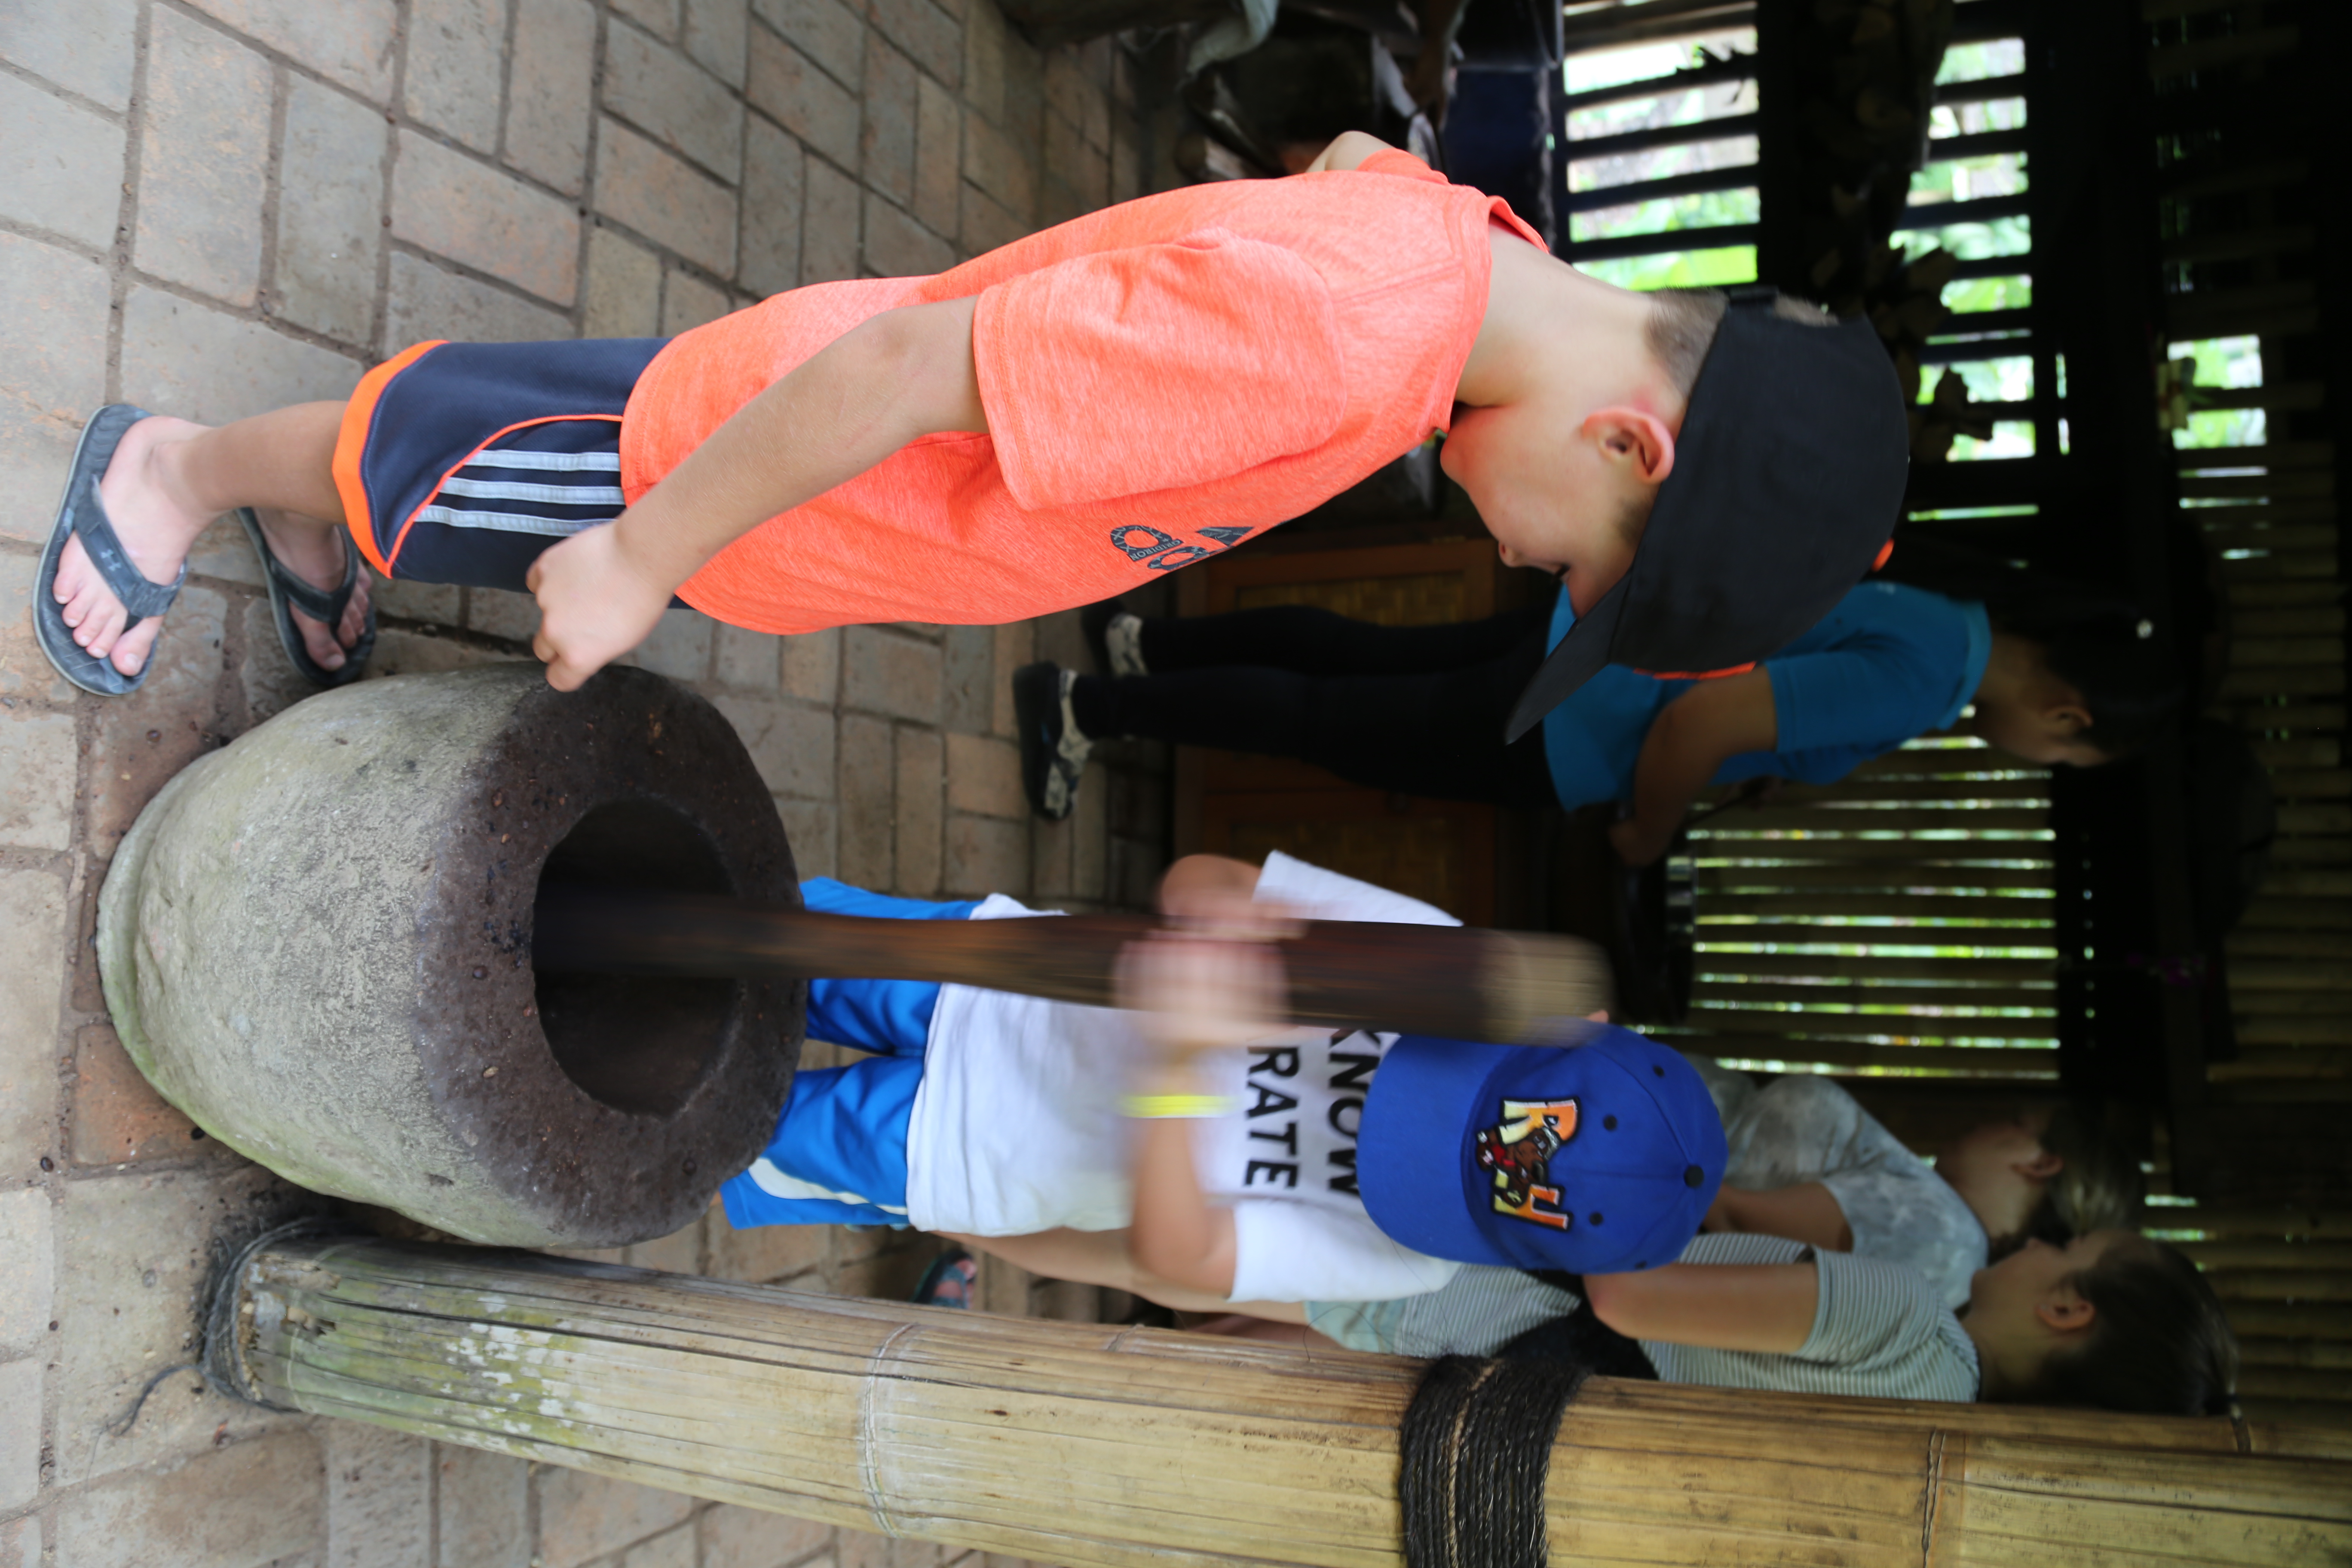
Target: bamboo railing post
(1108,1447)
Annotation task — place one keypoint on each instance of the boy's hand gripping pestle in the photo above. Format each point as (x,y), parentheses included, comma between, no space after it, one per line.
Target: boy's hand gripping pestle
(1455,982)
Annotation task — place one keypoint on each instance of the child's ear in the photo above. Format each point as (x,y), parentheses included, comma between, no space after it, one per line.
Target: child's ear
(2065,1311)
(2041,1167)
(1634,436)
(2068,720)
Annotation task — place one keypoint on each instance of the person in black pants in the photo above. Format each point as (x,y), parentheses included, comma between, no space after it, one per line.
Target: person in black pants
(2046,669)
(1415,709)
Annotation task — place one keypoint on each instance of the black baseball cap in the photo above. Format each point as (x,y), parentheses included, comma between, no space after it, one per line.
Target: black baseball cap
(1786,483)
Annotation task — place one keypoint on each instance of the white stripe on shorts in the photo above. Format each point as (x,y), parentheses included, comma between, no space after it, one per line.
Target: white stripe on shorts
(553,495)
(509,522)
(778,1182)
(549,462)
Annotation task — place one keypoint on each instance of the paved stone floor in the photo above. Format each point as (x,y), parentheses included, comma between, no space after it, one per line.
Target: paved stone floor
(217,207)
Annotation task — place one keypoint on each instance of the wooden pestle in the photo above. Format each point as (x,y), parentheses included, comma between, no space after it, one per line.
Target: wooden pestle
(1455,982)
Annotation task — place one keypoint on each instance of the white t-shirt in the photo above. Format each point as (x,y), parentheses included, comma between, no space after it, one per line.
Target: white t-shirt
(1016,1129)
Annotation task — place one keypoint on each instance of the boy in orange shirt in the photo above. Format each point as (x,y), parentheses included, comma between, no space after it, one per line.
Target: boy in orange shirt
(1042,427)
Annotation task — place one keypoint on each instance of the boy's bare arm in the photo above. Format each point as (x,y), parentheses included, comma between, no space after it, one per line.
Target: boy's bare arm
(1348,149)
(1809,1212)
(1199,882)
(1765,1307)
(1102,1258)
(902,375)
(1189,996)
(1694,735)
(1178,1234)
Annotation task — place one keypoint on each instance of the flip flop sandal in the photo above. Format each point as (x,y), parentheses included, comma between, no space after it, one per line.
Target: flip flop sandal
(288,593)
(80,514)
(949,1281)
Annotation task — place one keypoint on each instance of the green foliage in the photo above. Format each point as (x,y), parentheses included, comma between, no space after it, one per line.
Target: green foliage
(1972,241)
(2013,293)
(1970,179)
(1704,210)
(2232,362)
(2007,380)
(1678,268)
(1975,62)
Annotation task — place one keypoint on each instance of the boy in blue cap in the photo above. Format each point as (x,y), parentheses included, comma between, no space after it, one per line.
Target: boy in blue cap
(1241,1163)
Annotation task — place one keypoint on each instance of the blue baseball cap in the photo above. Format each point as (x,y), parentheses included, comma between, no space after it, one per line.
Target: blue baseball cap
(1598,1158)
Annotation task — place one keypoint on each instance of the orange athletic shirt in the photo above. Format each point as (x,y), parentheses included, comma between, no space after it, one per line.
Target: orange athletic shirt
(1162,378)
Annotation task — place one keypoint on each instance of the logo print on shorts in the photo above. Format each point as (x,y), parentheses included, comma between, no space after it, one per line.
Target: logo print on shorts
(1516,1152)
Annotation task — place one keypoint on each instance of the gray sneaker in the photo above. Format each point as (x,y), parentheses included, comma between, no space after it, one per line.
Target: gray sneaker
(1115,636)
(1053,748)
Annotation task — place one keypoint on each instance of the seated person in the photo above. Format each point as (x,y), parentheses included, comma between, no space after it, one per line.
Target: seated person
(1253,1163)
(2055,673)
(1807,1163)
(1810,1165)
(983,1128)
(2111,1321)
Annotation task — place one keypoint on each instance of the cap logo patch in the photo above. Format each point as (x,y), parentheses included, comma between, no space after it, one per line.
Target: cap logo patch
(1516,1152)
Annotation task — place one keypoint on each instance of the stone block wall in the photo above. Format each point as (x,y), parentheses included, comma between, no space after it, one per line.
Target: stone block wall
(213,207)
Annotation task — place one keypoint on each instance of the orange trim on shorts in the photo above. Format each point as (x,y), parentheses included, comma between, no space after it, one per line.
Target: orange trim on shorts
(486,442)
(350,445)
(1697,674)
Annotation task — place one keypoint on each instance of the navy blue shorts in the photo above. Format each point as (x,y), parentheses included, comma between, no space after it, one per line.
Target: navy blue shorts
(460,462)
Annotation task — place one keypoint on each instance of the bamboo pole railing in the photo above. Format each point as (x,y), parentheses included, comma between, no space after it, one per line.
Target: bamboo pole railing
(1109,1447)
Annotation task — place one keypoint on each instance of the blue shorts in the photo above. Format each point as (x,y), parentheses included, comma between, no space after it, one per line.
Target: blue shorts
(839,1155)
(460,462)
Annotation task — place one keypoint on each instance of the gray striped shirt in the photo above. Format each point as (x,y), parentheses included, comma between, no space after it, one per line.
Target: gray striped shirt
(1878,1328)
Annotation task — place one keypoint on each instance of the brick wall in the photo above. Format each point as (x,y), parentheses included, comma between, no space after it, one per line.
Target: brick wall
(220,206)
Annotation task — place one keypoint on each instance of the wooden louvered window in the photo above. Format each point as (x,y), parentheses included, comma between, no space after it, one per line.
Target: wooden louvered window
(1657,143)
(1896,923)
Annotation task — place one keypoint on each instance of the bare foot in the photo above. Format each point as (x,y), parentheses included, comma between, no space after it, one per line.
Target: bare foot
(156,526)
(313,551)
(158,519)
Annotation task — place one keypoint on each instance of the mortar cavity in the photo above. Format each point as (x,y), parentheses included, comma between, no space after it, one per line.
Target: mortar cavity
(638,1044)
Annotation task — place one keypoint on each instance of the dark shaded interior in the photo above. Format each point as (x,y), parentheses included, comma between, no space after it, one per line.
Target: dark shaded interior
(638,1044)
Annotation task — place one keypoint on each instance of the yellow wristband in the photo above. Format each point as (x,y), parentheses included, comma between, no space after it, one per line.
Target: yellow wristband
(1157,1107)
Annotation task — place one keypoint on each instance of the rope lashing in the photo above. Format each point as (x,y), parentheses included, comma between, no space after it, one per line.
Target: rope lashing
(1476,1443)
(1475,1446)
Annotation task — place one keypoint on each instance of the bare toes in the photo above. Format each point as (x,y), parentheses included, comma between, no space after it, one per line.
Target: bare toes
(354,625)
(325,652)
(90,600)
(130,653)
(99,631)
(73,573)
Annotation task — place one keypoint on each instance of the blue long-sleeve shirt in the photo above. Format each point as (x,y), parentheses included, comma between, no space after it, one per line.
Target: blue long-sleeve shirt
(1890,662)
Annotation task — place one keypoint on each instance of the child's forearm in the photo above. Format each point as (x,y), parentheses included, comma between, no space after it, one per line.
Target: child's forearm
(1690,738)
(1177,1234)
(1723,1306)
(904,374)
(889,381)
(1104,1257)
(1810,1213)
(1348,149)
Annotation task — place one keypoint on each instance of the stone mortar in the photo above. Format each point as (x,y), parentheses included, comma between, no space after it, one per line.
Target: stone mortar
(317,943)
